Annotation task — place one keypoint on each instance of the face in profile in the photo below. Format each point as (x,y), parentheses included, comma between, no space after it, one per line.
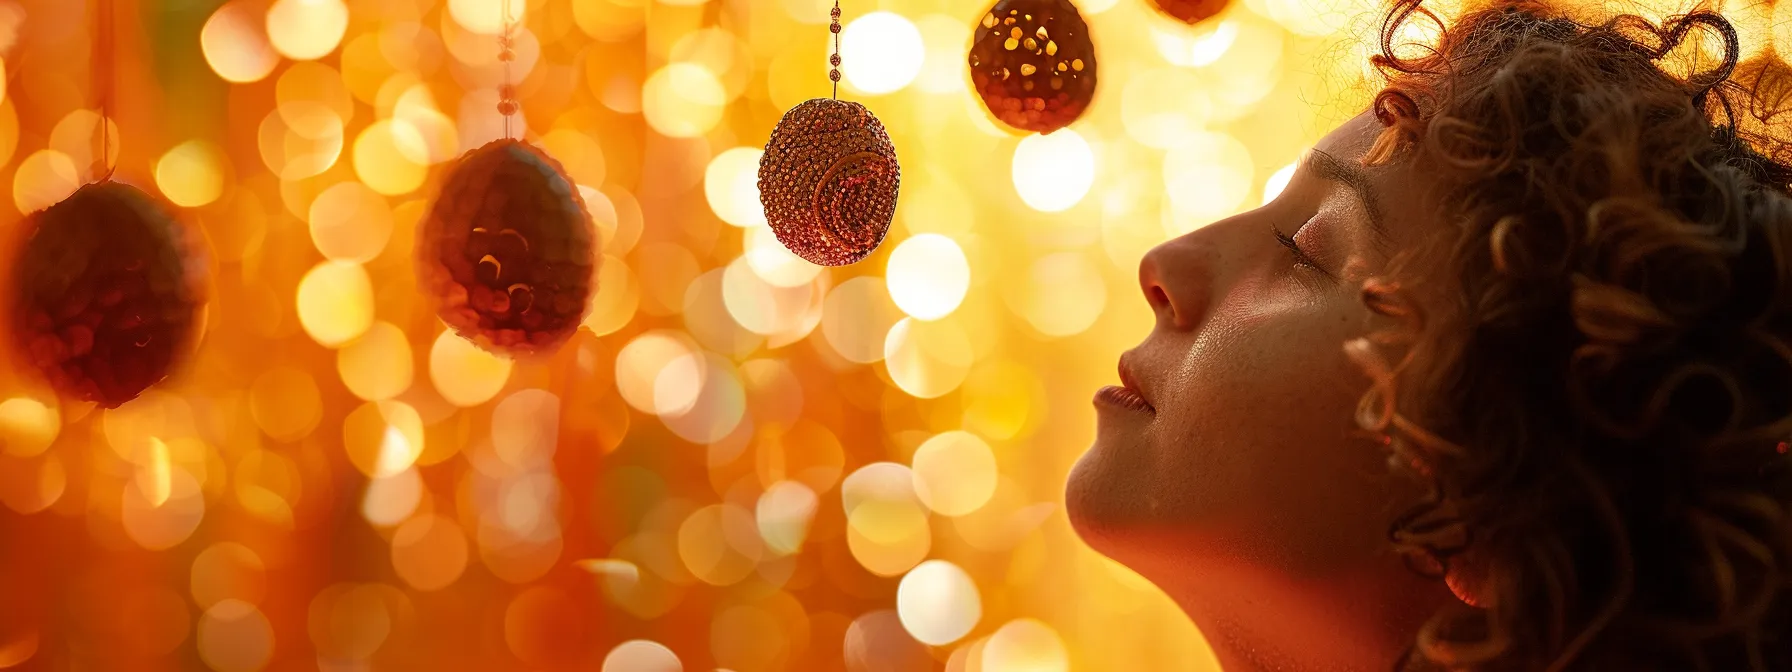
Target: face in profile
(1227,456)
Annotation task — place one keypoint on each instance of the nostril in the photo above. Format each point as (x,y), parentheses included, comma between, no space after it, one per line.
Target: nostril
(1156,296)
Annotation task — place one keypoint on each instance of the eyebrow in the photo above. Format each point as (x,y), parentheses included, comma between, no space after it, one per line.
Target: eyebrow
(1356,179)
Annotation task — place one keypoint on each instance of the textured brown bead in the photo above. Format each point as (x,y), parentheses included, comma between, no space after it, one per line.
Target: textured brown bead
(1033,63)
(107,293)
(508,250)
(1192,11)
(828,181)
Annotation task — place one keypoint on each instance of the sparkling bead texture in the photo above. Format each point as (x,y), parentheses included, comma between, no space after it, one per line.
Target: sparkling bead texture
(1033,63)
(508,250)
(107,293)
(828,181)
(1191,11)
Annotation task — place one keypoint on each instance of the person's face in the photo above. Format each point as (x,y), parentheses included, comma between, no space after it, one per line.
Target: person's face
(1232,435)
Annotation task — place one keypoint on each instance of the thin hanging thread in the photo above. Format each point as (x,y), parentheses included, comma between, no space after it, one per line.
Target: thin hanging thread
(834,60)
(507,105)
(104,82)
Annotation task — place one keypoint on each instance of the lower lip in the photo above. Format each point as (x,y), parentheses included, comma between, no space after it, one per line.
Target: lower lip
(1120,397)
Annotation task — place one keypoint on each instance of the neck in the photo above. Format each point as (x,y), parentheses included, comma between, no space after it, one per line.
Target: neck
(1257,619)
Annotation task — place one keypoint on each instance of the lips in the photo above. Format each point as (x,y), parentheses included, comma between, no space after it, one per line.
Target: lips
(1127,394)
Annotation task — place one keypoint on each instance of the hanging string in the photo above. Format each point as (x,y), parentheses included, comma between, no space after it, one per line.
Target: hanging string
(102,67)
(834,60)
(507,105)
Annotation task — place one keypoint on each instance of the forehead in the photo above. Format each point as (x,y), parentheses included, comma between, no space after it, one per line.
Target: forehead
(1403,189)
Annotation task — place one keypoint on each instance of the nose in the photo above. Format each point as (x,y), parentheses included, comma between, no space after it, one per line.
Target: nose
(1177,278)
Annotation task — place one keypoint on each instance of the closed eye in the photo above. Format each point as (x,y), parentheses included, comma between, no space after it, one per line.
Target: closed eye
(1301,258)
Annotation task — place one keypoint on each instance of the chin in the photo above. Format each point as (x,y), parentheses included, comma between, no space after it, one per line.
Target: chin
(1105,500)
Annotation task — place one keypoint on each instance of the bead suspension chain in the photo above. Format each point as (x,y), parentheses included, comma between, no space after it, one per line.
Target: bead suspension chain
(104,78)
(834,60)
(507,104)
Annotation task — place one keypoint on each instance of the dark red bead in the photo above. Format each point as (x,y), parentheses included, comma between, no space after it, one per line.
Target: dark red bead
(1033,63)
(107,293)
(1192,11)
(828,181)
(834,27)
(508,251)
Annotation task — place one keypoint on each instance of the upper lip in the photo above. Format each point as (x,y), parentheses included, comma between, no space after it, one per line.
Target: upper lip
(1128,381)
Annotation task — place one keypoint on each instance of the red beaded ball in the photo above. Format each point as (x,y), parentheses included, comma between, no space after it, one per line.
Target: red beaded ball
(508,250)
(107,293)
(828,181)
(1191,11)
(1034,64)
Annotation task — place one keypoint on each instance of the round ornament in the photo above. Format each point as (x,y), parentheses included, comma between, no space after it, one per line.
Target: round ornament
(828,181)
(1191,11)
(508,250)
(1033,64)
(107,293)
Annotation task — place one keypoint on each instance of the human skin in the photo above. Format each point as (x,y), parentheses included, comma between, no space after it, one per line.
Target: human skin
(1227,468)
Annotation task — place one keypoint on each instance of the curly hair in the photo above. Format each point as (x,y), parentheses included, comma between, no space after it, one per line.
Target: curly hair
(1591,363)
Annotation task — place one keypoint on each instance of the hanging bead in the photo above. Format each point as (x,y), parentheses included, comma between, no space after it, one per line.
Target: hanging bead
(828,181)
(106,293)
(1191,11)
(1033,64)
(508,250)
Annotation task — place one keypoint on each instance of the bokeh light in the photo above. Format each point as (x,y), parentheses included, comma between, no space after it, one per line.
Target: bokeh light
(938,603)
(928,276)
(1053,172)
(335,300)
(683,100)
(304,30)
(881,52)
(731,183)
(191,174)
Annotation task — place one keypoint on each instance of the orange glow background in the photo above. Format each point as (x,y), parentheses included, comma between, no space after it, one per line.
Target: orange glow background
(743,461)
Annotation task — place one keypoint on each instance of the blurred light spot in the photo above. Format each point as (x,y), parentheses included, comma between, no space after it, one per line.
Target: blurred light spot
(155,479)
(464,374)
(881,52)
(1277,182)
(382,162)
(234,636)
(377,365)
(938,603)
(1053,172)
(227,570)
(856,317)
(1160,107)
(486,17)
(641,364)
(349,222)
(1207,177)
(349,622)
(1025,645)
(27,426)
(773,262)
(30,485)
(295,151)
(683,100)
(285,403)
(78,135)
(391,499)
(526,427)
(19,648)
(759,306)
(383,438)
(784,513)
(1063,294)
(954,473)
(731,183)
(749,637)
(1180,47)
(928,276)
(235,44)
(610,567)
(618,296)
(945,37)
(335,301)
(807,452)
(718,405)
(42,179)
(161,527)
(304,30)
(720,544)
(429,552)
(927,359)
(640,655)
(888,537)
(191,174)
(877,641)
